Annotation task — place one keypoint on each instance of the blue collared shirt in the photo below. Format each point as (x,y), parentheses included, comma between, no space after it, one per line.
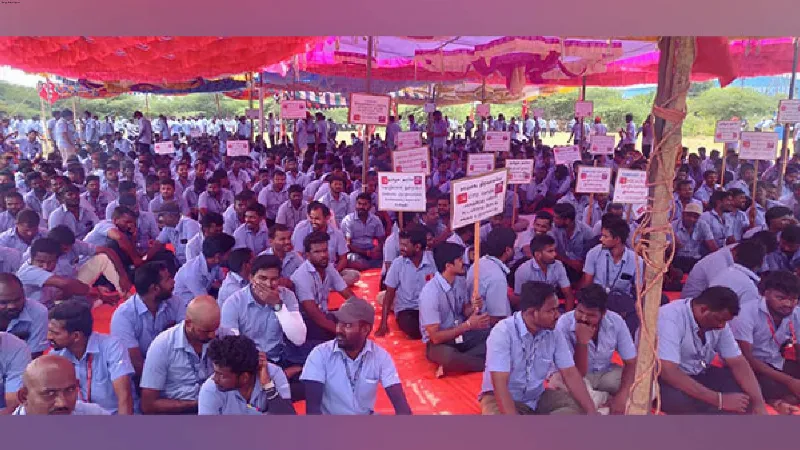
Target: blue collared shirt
(14,358)
(136,327)
(32,322)
(492,286)
(257,241)
(408,280)
(179,236)
(351,386)
(340,208)
(678,341)
(194,279)
(612,335)
(289,215)
(309,286)
(705,270)
(442,303)
(194,247)
(33,280)
(291,262)
(273,200)
(738,222)
(81,409)
(336,245)
(692,245)
(362,234)
(81,226)
(527,358)
(230,285)
(530,270)
(213,402)
(720,226)
(613,276)
(755,325)
(576,246)
(109,362)
(11,239)
(740,280)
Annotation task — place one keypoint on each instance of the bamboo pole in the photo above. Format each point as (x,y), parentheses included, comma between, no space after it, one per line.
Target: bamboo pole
(367,134)
(785,146)
(261,106)
(43,123)
(675,67)
(250,102)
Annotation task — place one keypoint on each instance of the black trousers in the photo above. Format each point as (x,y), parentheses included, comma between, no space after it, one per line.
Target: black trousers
(772,390)
(408,322)
(467,357)
(684,263)
(674,401)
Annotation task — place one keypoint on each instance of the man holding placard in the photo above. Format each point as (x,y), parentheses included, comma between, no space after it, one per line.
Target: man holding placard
(493,274)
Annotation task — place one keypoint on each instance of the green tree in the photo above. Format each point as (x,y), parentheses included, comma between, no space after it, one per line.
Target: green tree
(724,104)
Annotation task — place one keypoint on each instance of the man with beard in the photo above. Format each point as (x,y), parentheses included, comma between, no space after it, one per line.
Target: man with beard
(50,387)
(521,351)
(274,195)
(786,257)
(37,192)
(280,237)
(176,230)
(25,319)
(138,320)
(14,358)
(203,275)
(212,224)
(338,369)
(177,362)
(253,233)
(572,239)
(453,328)
(765,331)
(244,382)
(22,235)
(545,268)
(269,314)
(721,202)
(493,274)
(741,277)
(693,238)
(116,234)
(14,204)
(72,213)
(95,197)
(292,211)
(103,366)
(361,229)
(319,216)
(405,279)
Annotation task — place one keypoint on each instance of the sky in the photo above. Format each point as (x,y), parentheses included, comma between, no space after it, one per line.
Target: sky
(19,77)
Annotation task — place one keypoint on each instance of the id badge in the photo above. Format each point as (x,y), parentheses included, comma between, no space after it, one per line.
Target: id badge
(460,340)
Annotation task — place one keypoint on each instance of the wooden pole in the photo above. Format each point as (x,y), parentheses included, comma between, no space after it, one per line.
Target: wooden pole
(261,107)
(250,102)
(365,142)
(43,122)
(75,115)
(675,68)
(785,146)
(476,259)
(724,162)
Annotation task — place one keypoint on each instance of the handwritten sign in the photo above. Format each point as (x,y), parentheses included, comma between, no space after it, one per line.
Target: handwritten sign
(566,155)
(483,110)
(412,160)
(478,198)
(602,145)
(520,171)
(758,145)
(429,108)
(497,141)
(237,148)
(479,163)
(538,113)
(631,186)
(368,109)
(293,109)
(727,131)
(408,139)
(165,148)
(789,111)
(251,113)
(584,109)
(593,180)
(401,192)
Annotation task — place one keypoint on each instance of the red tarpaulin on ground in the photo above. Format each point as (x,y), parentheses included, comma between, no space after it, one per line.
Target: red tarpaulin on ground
(148,59)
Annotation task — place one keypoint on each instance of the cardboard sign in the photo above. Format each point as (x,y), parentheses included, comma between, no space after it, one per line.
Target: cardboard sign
(368,109)
(237,148)
(758,145)
(195,133)
(429,108)
(408,139)
(479,163)
(165,148)
(293,109)
(566,155)
(638,210)
(401,192)
(251,113)
(412,160)
(602,145)
(483,110)
(497,141)
(727,131)
(538,113)
(520,171)
(478,198)
(631,186)
(584,109)
(593,180)
(789,111)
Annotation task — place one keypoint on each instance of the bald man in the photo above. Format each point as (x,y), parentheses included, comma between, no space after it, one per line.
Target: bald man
(50,387)
(176,364)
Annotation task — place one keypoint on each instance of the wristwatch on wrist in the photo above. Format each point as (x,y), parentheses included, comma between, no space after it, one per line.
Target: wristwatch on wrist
(269,386)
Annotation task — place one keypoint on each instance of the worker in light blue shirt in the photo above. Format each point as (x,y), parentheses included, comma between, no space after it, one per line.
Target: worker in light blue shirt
(690,334)
(212,224)
(244,382)
(545,268)
(177,230)
(72,213)
(24,318)
(239,263)
(361,230)
(280,237)
(102,364)
(741,277)
(521,352)
(253,234)
(572,239)
(493,274)
(318,218)
(14,358)
(721,202)
(177,362)
(202,274)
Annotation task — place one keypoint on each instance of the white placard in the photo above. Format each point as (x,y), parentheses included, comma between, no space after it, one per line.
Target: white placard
(368,109)
(479,163)
(195,133)
(401,192)
(251,113)
(408,139)
(631,187)
(293,109)
(758,145)
(538,113)
(237,148)
(520,171)
(566,155)
(413,160)
(727,131)
(165,148)
(497,141)
(483,110)
(478,198)
(593,180)
(584,109)
(429,108)
(789,111)
(602,145)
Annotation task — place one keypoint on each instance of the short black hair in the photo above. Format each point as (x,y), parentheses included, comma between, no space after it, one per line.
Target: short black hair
(257,208)
(749,254)
(617,227)
(719,298)
(447,253)
(717,197)
(417,235)
(215,245)
(498,240)
(62,235)
(28,217)
(237,353)
(782,281)
(211,218)
(315,237)
(776,212)
(544,215)
(238,258)
(564,210)
(295,188)
(275,228)
(148,275)
(593,296)
(791,234)
(539,242)
(364,196)
(265,262)
(534,294)
(766,238)
(76,315)
(321,206)
(120,211)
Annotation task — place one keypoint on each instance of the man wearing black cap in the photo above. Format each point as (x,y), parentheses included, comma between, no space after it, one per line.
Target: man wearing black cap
(341,376)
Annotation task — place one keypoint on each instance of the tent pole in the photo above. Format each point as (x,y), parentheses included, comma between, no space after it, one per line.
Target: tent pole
(250,103)
(365,142)
(785,146)
(674,79)
(261,106)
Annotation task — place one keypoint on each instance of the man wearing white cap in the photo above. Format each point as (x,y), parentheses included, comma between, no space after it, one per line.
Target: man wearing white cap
(693,238)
